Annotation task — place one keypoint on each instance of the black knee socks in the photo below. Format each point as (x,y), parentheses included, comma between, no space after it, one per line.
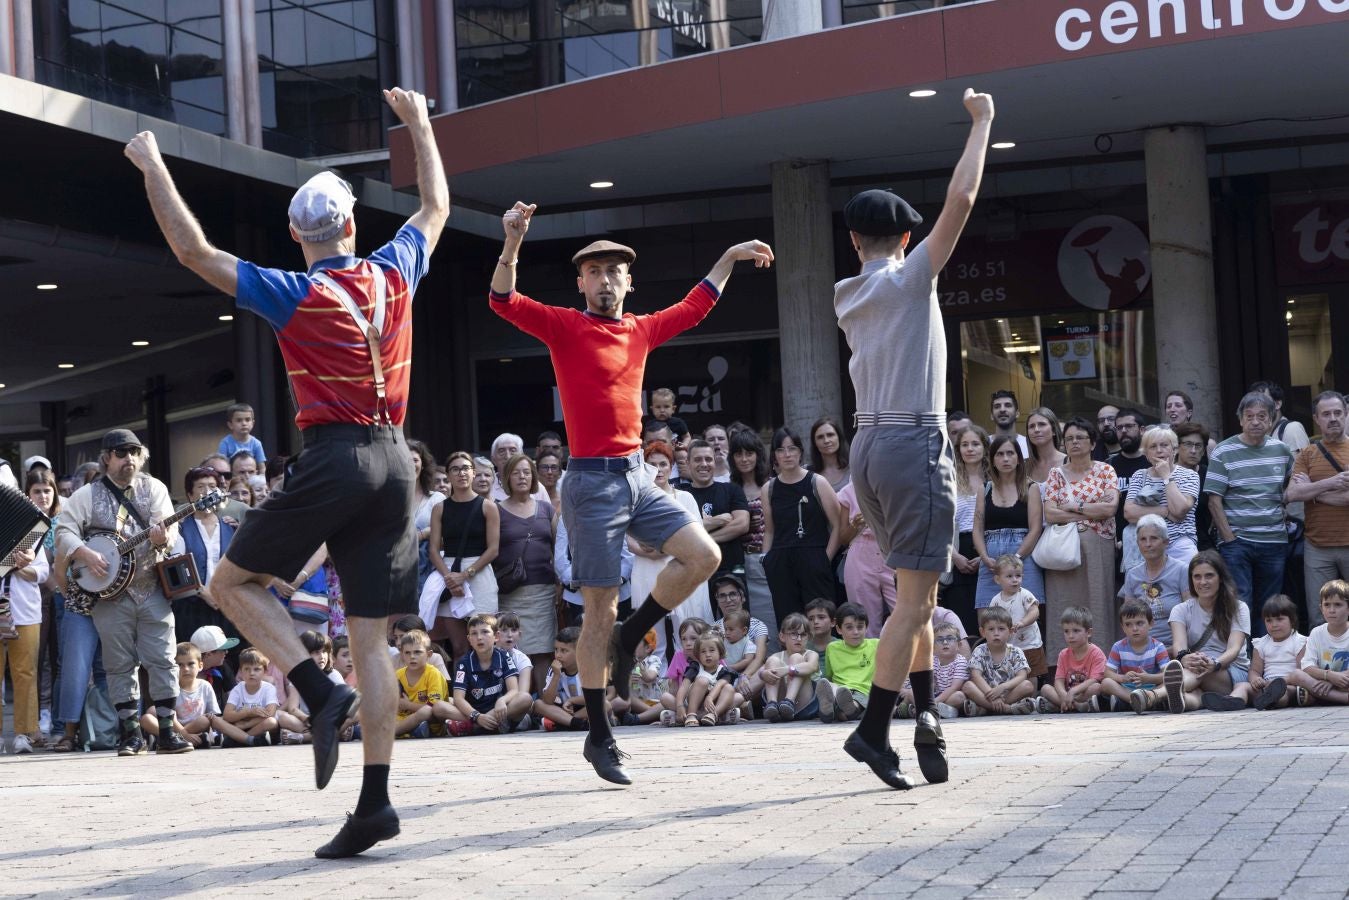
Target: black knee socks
(599,721)
(312,684)
(875,725)
(921,682)
(642,620)
(374,790)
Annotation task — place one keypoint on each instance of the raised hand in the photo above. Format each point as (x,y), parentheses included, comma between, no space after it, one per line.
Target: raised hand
(143,151)
(516,220)
(980,106)
(761,253)
(408,106)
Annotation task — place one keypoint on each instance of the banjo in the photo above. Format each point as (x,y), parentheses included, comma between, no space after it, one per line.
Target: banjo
(120,555)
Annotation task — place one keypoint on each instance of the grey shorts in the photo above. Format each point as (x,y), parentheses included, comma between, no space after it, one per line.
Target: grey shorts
(603,501)
(904,476)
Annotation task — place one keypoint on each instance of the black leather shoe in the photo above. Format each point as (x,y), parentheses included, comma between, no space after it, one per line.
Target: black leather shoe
(131,744)
(622,659)
(360,833)
(885,763)
(930,746)
(173,742)
(608,761)
(325,730)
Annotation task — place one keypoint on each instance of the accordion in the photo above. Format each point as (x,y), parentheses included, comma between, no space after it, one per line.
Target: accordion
(22,526)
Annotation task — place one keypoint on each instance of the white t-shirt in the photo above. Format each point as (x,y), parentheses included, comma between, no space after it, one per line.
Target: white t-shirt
(736,651)
(239,697)
(1019,606)
(567,688)
(521,660)
(1195,619)
(1325,651)
(1280,657)
(25,597)
(197,702)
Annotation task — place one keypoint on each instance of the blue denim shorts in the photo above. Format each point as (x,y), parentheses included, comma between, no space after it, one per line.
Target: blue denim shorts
(603,501)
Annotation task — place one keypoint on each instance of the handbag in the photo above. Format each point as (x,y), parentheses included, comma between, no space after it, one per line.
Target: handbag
(511,574)
(1059,548)
(307,607)
(447,594)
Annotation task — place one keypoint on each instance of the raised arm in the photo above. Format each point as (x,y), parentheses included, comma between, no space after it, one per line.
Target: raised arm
(514,223)
(758,251)
(964,185)
(181,229)
(410,108)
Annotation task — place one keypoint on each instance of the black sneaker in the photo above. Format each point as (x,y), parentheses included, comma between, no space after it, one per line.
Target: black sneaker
(1221,702)
(173,742)
(930,746)
(1270,693)
(131,744)
(608,761)
(622,659)
(325,728)
(885,763)
(360,833)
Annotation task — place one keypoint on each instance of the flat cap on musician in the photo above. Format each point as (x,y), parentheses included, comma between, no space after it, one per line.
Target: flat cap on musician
(120,437)
(878,213)
(321,207)
(604,248)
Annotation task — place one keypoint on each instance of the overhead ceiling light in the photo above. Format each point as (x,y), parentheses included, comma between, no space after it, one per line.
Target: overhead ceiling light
(65,365)
(140,343)
(1004,145)
(1,385)
(1021,348)
(227,318)
(505,359)
(925,92)
(1060,321)
(46,287)
(1288,316)
(600,185)
(1292,300)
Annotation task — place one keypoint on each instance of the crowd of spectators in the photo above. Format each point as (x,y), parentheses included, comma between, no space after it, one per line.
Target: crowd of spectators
(1105,563)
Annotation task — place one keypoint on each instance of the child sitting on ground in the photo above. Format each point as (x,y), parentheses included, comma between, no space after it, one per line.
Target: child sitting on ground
(743,655)
(950,671)
(508,639)
(708,690)
(1273,658)
(402,626)
(196,707)
(647,671)
(294,713)
(943,616)
(250,711)
(560,704)
(423,704)
(1324,676)
(690,630)
(820,615)
(849,666)
(1077,680)
(999,679)
(789,677)
(1133,670)
(342,663)
(487,692)
(1024,608)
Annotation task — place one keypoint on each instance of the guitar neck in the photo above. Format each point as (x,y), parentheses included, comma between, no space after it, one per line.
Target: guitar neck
(136,540)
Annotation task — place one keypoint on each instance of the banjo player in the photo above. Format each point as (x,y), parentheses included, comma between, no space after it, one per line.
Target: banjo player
(135,627)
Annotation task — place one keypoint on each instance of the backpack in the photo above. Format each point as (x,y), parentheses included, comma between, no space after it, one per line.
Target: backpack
(98,722)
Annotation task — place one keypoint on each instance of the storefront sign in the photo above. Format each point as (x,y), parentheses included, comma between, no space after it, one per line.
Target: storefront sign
(1135,22)
(1069,353)
(1312,242)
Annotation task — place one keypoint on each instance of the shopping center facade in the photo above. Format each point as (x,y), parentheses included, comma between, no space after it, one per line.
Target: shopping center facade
(1168,207)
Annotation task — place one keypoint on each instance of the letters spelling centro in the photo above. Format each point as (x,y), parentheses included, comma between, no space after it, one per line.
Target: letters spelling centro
(1120,21)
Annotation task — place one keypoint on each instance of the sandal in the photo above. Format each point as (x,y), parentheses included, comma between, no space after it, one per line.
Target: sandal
(708,719)
(65,745)
(690,721)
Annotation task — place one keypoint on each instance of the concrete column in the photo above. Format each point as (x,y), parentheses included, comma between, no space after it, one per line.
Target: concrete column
(407,61)
(24,63)
(447,58)
(236,116)
(1180,233)
(789,18)
(803,242)
(6,37)
(248,56)
(831,13)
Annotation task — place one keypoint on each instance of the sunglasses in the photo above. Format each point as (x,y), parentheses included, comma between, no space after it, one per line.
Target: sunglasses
(124,452)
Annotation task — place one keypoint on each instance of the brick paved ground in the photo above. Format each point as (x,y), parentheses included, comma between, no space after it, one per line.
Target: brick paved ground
(1204,805)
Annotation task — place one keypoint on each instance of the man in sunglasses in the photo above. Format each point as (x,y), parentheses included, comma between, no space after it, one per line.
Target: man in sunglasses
(135,627)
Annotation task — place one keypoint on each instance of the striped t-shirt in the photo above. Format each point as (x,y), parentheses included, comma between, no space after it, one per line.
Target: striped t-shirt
(327,357)
(1251,481)
(1149,661)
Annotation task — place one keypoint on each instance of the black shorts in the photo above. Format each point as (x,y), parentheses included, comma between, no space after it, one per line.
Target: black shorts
(351,488)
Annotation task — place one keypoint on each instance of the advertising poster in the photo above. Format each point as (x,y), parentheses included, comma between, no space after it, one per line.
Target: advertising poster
(1070,352)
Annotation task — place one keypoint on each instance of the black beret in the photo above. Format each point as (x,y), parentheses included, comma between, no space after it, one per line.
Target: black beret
(879,214)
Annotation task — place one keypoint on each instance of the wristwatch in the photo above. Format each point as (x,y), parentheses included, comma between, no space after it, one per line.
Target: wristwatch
(473,716)
(471,572)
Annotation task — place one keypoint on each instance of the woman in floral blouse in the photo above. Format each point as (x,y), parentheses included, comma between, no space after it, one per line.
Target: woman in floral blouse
(1086,494)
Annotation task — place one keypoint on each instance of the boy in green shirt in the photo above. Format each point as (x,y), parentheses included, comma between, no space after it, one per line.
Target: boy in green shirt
(849,666)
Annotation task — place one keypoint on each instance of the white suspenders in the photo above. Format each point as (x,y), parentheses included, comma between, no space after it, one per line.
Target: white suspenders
(371,330)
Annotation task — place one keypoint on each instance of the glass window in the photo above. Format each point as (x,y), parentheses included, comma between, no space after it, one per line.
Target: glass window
(1072,362)
(1310,360)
